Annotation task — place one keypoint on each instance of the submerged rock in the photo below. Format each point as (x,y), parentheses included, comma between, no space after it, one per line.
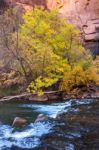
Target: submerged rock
(82,113)
(19,122)
(75,129)
(41,117)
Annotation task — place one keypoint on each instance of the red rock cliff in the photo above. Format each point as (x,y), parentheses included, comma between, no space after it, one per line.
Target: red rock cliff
(83,13)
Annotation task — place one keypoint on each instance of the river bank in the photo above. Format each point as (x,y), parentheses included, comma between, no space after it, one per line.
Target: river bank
(47,97)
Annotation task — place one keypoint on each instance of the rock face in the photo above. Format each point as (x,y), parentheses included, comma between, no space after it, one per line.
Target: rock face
(3,5)
(83,13)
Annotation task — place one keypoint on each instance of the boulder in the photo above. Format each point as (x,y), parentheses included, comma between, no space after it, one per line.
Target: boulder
(41,117)
(19,122)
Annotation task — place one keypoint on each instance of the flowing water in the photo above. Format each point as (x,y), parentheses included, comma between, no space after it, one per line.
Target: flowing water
(76,127)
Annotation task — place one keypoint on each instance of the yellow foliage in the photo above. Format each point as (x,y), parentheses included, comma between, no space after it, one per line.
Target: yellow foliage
(95,69)
(40,83)
(77,77)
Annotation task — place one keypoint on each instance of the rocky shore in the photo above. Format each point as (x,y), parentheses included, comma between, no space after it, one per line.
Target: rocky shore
(28,97)
(47,97)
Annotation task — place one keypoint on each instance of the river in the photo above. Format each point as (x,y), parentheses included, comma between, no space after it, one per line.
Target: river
(76,128)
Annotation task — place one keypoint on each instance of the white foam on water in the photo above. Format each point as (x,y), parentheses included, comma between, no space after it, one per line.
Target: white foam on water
(50,110)
(27,138)
(36,129)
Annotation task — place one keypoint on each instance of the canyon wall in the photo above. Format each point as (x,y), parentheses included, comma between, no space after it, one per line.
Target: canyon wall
(83,13)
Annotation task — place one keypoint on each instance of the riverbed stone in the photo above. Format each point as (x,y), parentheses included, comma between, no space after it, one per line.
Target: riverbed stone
(19,122)
(41,117)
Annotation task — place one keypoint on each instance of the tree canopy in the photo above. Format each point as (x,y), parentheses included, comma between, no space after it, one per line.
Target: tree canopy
(46,48)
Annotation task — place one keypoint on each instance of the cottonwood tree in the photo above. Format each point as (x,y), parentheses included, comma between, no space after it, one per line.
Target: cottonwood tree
(43,46)
(50,46)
